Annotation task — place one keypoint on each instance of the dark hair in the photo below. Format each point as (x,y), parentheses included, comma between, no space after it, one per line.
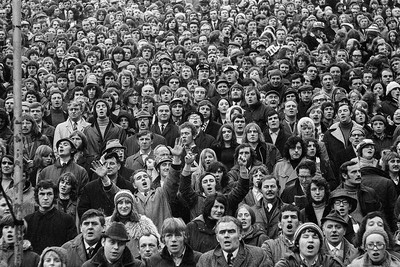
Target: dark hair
(209,203)
(363,224)
(249,209)
(220,140)
(93,213)
(46,184)
(291,143)
(111,155)
(307,165)
(289,207)
(253,154)
(318,181)
(344,166)
(74,184)
(214,167)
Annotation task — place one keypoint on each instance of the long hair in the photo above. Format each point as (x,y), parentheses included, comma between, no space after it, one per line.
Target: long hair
(35,133)
(261,138)
(202,168)
(84,144)
(133,215)
(220,139)
(42,151)
(71,178)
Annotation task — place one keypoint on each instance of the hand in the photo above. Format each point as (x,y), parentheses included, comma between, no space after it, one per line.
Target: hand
(99,168)
(190,158)
(178,148)
(242,161)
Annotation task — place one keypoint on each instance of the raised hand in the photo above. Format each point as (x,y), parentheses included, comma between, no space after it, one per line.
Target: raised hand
(178,148)
(190,158)
(242,161)
(99,168)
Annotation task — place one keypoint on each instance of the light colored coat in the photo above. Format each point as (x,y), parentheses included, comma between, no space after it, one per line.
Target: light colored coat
(65,129)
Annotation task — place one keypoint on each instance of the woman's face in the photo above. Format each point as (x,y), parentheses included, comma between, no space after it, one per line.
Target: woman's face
(184,97)
(244,217)
(208,159)
(124,207)
(378,89)
(226,134)
(4,210)
(51,259)
(217,211)
(47,160)
(376,247)
(306,130)
(223,106)
(296,151)
(311,149)
(26,127)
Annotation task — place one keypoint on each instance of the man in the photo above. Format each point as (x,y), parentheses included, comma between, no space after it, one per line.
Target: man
(317,193)
(334,228)
(74,122)
(248,154)
(48,226)
(336,71)
(357,135)
(101,130)
(337,137)
(308,240)
(269,208)
(164,125)
(65,163)
(143,120)
(201,139)
(272,99)
(80,74)
(239,122)
(222,88)
(366,196)
(114,145)
(290,118)
(295,193)
(148,246)
(114,251)
(209,126)
(99,193)
(305,93)
(203,74)
(289,220)
(231,250)
(236,95)
(327,84)
(175,252)
(274,132)
(275,82)
(36,110)
(138,160)
(256,110)
(56,113)
(85,245)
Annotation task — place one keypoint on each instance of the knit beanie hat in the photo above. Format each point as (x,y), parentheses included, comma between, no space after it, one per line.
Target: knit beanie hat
(375,230)
(121,194)
(305,226)
(391,86)
(61,252)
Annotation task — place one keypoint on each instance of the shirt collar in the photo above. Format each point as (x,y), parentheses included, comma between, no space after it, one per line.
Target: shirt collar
(338,247)
(234,253)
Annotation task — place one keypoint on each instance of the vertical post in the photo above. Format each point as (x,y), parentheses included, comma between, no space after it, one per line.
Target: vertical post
(18,146)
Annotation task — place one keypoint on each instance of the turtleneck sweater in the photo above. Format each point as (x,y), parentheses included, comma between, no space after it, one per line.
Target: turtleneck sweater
(345,127)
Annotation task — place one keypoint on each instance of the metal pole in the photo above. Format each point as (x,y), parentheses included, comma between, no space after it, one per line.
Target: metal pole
(18,145)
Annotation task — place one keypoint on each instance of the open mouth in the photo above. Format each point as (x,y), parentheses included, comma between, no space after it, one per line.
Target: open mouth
(310,247)
(289,226)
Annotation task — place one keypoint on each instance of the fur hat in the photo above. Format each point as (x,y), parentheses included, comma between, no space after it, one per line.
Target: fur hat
(375,230)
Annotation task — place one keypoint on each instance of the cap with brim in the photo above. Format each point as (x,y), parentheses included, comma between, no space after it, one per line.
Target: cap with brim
(65,139)
(234,43)
(143,114)
(230,68)
(162,160)
(343,193)
(334,216)
(271,92)
(305,88)
(222,80)
(111,144)
(176,101)
(117,231)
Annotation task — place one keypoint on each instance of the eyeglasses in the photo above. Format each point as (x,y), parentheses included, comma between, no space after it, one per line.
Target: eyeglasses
(357,135)
(7,163)
(378,245)
(319,100)
(341,202)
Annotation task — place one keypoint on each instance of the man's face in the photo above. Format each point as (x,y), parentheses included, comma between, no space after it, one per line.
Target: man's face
(304,177)
(327,82)
(387,77)
(309,243)
(245,153)
(64,148)
(276,80)
(305,96)
(356,84)
(80,74)
(296,83)
(251,97)
(142,182)
(113,166)
(205,111)
(145,142)
(92,230)
(353,176)
(199,94)
(333,232)
(290,109)
(289,223)
(273,122)
(143,123)
(8,234)
(113,249)
(36,113)
(356,137)
(272,100)
(336,73)
(270,190)
(344,113)
(101,110)
(175,243)
(378,127)
(252,135)
(56,101)
(45,198)
(222,89)
(74,112)
(228,236)
(147,246)
(186,136)
(163,113)
(239,124)
(342,205)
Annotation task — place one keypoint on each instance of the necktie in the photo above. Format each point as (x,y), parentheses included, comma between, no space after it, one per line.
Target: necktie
(74,127)
(230,259)
(335,252)
(90,251)
(269,206)
(162,127)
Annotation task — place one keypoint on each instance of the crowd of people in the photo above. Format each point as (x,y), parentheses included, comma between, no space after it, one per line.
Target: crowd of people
(204,133)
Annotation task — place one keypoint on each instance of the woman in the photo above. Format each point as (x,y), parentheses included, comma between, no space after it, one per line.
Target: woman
(53,257)
(44,157)
(366,154)
(136,224)
(226,145)
(252,234)
(294,153)
(306,129)
(31,138)
(376,243)
(80,157)
(361,117)
(207,156)
(67,199)
(391,165)
(390,104)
